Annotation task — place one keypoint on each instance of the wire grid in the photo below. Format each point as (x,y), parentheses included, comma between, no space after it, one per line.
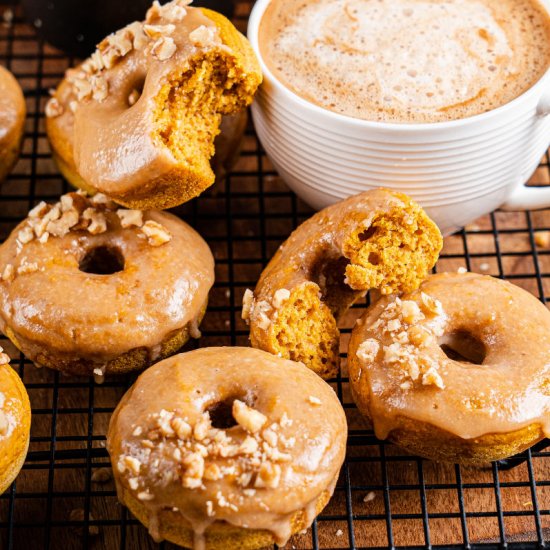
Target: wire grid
(384,498)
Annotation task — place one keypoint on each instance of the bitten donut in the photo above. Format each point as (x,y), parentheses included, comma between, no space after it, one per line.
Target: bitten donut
(12,121)
(15,423)
(86,287)
(138,119)
(456,371)
(241,449)
(375,240)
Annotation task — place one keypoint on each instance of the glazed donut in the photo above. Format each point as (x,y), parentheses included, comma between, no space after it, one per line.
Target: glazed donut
(233,453)
(15,423)
(86,287)
(456,371)
(138,119)
(12,121)
(375,240)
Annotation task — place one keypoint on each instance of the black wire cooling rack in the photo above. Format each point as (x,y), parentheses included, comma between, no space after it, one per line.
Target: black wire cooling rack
(64,496)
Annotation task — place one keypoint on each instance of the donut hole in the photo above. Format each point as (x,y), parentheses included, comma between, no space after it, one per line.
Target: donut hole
(102,260)
(463,346)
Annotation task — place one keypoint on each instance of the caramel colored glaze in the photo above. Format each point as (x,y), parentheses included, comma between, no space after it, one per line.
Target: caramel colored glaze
(499,384)
(59,313)
(112,147)
(12,120)
(200,380)
(15,410)
(374,240)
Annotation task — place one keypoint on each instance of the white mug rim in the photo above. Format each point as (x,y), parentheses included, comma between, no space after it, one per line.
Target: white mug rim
(254,21)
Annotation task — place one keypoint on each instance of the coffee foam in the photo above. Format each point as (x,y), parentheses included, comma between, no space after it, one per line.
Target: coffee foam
(407,60)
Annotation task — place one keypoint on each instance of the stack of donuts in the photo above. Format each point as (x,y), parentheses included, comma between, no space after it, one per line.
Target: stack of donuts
(241,447)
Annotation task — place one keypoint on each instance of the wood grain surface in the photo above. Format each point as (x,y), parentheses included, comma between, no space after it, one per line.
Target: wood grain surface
(57,502)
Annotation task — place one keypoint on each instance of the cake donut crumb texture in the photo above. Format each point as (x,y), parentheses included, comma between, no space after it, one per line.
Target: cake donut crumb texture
(458,370)
(375,240)
(137,120)
(232,453)
(15,423)
(90,288)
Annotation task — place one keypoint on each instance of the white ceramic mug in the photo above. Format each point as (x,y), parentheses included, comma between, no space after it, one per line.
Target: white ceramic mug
(457,170)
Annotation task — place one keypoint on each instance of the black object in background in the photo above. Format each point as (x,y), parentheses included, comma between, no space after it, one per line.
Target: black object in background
(76,27)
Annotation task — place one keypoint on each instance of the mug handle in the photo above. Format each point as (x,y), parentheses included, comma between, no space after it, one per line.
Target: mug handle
(531,198)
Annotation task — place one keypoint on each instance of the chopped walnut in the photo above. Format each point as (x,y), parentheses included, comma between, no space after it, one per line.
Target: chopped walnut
(431,305)
(129,218)
(248,304)
(53,108)
(209,508)
(174,11)
(247,417)
(368,350)
(83,88)
(4,360)
(203,36)
(181,428)
(158,31)
(8,274)
(133,464)
(156,234)
(202,427)
(164,48)
(39,210)
(432,378)
(249,446)
(100,89)
(393,325)
(98,222)
(411,312)
(280,296)
(194,470)
(25,235)
(26,268)
(62,226)
(212,472)
(268,476)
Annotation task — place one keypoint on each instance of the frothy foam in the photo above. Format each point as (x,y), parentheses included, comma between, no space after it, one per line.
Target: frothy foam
(407,60)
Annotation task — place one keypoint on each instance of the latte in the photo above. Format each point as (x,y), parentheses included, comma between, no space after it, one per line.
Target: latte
(406,60)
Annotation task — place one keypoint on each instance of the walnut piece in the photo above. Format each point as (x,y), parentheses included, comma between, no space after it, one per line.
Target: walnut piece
(280,296)
(156,234)
(368,350)
(129,218)
(247,417)
(53,108)
(164,48)
(203,36)
(248,304)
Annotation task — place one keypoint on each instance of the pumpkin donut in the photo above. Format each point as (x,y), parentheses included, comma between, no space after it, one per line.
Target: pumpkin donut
(12,121)
(375,240)
(456,371)
(138,119)
(232,453)
(86,287)
(15,423)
